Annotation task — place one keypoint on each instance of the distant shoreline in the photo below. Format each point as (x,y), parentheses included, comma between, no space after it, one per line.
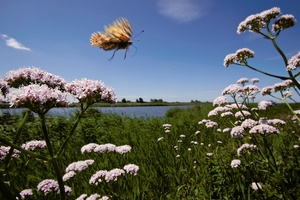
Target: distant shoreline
(128,104)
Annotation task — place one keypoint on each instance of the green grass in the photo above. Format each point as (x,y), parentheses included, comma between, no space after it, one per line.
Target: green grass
(163,174)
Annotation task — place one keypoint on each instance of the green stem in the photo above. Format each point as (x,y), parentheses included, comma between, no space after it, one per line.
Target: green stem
(292,77)
(59,179)
(291,109)
(53,159)
(19,131)
(46,136)
(265,73)
(62,148)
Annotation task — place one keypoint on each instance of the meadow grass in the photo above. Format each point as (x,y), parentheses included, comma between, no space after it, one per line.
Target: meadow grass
(190,162)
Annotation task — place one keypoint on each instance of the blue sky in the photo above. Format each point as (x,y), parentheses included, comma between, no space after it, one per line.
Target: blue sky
(179,57)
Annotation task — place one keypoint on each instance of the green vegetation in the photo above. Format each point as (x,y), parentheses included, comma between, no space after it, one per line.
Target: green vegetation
(175,167)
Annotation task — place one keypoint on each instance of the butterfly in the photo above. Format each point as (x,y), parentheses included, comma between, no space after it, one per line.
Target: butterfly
(116,36)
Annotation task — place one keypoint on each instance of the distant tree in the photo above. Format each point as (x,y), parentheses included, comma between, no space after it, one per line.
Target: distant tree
(123,100)
(156,100)
(141,100)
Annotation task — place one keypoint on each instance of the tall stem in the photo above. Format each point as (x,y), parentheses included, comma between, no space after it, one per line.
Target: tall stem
(53,159)
(8,158)
(61,149)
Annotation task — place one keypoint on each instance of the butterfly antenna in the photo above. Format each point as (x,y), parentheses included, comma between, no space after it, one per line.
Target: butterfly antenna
(138,34)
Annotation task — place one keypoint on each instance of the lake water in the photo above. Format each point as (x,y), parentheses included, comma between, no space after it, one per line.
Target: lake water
(140,111)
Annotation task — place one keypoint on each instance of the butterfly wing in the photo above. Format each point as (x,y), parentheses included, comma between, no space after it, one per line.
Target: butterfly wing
(116,36)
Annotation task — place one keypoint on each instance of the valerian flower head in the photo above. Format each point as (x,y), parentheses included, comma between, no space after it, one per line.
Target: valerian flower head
(4,151)
(255,22)
(91,91)
(34,144)
(245,147)
(48,185)
(242,114)
(33,75)
(79,165)
(103,148)
(88,147)
(113,174)
(264,128)
(284,22)
(251,89)
(97,177)
(276,122)
(248,123)
(266,90)
(254,80)
(232,89)
(68,175)
(236,132)
(239,57)
(131,169)
(38,98)
(294,62)
(243,80)
(284,85)
(235,163)
(211,124)
(218,110)
(123,149)
(263,105)
(25,193)
(221,100)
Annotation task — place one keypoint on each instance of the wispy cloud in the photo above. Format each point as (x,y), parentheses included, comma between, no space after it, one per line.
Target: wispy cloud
(182,10)
(12,42)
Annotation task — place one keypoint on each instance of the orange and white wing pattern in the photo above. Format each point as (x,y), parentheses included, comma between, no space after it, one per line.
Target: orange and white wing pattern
(116,36)
(120,30)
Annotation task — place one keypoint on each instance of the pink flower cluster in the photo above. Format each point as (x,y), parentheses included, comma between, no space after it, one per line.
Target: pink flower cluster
(33,75)
(4,151)
(294,62)
(113,174)
(90,91)
(38,98)
(48,185)
(79,165)
(232,89)
(264,128)
(131,169)
(255,22)
(219,101)
(102,148)
(208,123)
(34,144)
(25,193)
(265,104)
(284,22)
(239,57)
(235,163)
(245,147)
(237,132)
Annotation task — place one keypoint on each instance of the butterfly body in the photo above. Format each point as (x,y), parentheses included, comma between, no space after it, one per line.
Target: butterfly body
(116,36)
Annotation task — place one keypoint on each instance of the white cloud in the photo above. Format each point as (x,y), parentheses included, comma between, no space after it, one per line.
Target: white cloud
(182,10)
(11,42)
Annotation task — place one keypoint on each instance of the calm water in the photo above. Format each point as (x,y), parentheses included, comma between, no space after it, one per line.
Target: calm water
(141,111)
